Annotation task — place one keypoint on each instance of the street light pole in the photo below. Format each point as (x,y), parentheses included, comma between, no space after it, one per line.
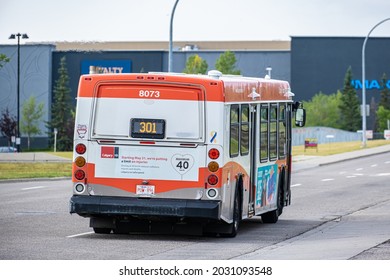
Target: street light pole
(170,55)
(18,140)
(364,113)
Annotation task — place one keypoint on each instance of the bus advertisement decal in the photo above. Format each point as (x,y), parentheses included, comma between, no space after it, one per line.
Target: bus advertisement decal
(133,163)
(266,185)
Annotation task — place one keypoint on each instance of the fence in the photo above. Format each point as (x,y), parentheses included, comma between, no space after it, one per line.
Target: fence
(323,135)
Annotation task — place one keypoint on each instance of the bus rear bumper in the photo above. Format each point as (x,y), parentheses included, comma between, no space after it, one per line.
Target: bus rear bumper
(89,206)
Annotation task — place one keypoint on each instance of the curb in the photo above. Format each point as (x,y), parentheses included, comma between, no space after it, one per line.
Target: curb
(21,180)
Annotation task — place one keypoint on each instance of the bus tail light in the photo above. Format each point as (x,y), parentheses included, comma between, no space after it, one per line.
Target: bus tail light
(81,149)
(212,180)
(79,174)
(80,161)
(213,153)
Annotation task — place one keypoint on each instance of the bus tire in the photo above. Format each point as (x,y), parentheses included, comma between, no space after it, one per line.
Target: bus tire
(102,230)
(281,192)
(236,215)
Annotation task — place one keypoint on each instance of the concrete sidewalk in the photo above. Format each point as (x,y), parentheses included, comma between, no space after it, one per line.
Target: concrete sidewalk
(31,157)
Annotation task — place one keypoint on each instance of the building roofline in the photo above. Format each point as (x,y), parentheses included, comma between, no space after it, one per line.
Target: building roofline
(178,45)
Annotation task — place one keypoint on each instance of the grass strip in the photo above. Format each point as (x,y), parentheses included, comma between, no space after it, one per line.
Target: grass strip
(19,170)
(327,149)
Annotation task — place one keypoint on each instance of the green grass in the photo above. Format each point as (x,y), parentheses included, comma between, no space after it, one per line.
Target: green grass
(336,148)
(19,170)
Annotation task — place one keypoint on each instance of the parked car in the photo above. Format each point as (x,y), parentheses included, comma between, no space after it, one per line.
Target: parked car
(8,150)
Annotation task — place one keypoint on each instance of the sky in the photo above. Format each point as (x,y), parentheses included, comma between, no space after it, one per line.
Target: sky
(195,20)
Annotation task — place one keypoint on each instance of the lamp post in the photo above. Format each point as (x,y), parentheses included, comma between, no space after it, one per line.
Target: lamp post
(170,55)
(364,113)
(18,140)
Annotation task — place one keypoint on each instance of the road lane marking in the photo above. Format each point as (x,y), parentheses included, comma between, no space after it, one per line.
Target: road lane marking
(351,176)
(380,174)
(374,165)
(387,162)
(358,174)
(296,185)
(80,234)
(34,188)
(328,179)
(358,169)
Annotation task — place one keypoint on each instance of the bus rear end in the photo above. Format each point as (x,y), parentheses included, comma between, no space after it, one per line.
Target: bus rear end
(140,152)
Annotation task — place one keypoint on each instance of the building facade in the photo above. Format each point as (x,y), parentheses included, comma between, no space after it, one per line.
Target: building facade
(310,64)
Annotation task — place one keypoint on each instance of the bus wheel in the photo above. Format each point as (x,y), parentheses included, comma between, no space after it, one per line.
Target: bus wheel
(270,217)
(236,216)
(102,230)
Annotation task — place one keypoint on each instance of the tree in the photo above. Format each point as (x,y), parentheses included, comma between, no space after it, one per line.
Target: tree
(7,125)
(323,110)
(350,118)
(385,93)
(196,65)
(61,115)
(226,63)
(383,117)
(31,115)
(3,59)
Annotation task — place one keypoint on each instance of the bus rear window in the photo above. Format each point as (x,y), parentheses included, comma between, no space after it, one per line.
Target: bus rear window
(169,113)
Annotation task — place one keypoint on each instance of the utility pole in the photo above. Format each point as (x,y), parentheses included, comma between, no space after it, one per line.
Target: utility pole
(364,113)
(170,55)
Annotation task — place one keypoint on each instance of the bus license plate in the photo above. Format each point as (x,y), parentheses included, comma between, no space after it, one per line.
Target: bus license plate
(145,189)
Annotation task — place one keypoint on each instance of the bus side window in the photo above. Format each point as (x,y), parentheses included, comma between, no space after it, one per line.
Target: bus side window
(234,130)
(273,133)
(264,133)
(282,131)
(244,137)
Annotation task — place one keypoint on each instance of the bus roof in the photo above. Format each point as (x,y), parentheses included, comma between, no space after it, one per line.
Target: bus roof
(224,88)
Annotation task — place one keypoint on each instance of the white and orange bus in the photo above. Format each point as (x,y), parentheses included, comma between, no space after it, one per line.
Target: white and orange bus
(167,150)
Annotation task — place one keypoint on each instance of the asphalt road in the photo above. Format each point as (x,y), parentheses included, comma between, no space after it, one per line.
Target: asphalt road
(338,211)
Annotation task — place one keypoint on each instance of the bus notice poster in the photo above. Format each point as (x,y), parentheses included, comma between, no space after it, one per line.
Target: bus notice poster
(128,162)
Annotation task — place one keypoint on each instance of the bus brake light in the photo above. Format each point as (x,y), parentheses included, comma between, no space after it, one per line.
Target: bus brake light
(213,153)
(212,180)
(81,149)
(79,174)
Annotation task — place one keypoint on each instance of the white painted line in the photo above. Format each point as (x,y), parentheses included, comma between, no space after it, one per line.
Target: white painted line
(387,162)
(296,185)
(351,176)
(381,174)
(358,169)
(342,172)
(80,234)
(326,180)
(374,165)
(33,188)
(358,174)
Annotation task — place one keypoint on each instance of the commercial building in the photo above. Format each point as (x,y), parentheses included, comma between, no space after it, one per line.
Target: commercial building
(310,64)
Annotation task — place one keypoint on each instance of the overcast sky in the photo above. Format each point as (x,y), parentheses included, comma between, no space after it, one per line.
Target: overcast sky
(195,20)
